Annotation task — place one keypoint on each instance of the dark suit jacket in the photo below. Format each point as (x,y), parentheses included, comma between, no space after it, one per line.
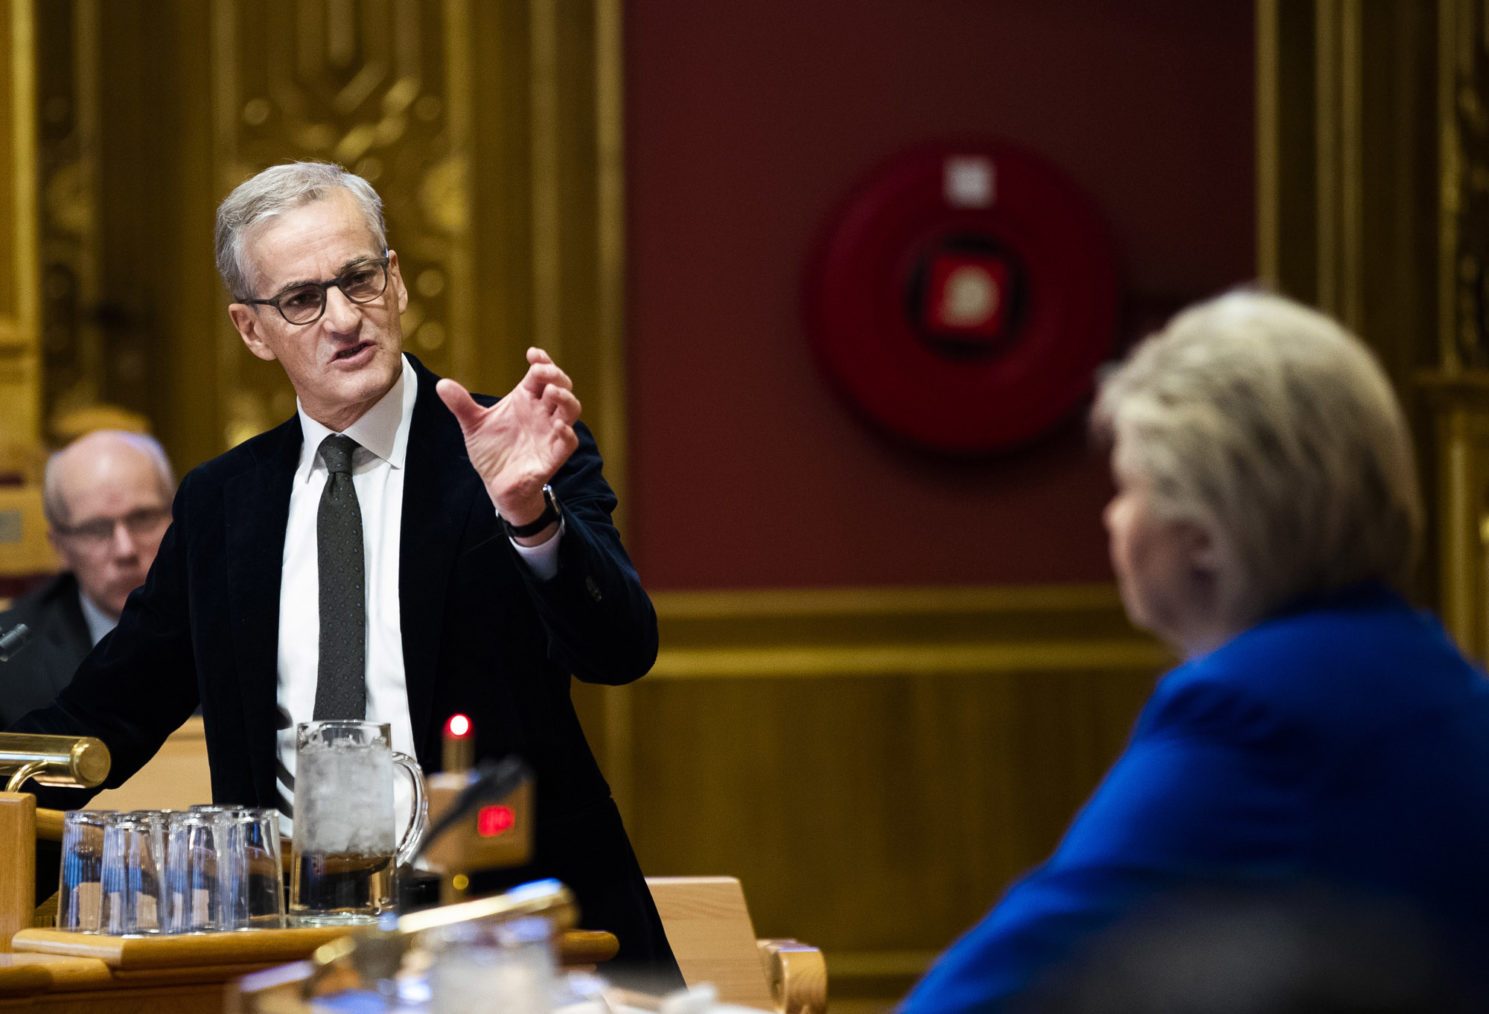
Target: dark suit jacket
(481,636)
(59,639)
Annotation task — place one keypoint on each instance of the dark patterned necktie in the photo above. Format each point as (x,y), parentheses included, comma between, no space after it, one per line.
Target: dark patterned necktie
(341,684)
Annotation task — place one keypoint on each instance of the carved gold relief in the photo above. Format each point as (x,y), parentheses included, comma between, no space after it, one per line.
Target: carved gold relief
(1465,175)
(1459,387)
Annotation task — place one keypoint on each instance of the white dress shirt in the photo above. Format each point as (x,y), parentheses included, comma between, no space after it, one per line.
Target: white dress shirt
(377,475)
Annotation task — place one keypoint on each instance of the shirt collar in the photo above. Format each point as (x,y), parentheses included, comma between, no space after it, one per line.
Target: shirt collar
(382,431)
(99,622)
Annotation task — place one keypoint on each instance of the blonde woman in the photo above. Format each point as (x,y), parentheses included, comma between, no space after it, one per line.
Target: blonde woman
(1321,732)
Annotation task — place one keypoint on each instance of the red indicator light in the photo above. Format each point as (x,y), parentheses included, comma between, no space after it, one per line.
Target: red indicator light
(458,725)
(493,820)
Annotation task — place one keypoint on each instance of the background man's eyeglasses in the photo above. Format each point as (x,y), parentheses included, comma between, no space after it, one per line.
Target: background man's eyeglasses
(304,304)
(139,523)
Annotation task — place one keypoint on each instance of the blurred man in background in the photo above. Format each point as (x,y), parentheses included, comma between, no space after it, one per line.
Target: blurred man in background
(107,499)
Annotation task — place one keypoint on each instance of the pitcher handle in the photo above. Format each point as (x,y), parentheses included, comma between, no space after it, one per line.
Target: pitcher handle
(409,846)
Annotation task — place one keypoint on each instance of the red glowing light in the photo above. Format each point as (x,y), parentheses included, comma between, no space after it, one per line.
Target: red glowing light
(493,820)
(458,725)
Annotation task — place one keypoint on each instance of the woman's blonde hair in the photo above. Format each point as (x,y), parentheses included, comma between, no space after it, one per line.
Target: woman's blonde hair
(1276,430)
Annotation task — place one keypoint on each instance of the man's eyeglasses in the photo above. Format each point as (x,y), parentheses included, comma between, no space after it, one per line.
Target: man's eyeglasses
(139,523)
(304,304)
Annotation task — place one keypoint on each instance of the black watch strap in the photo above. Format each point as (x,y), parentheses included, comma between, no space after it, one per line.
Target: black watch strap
(549,516)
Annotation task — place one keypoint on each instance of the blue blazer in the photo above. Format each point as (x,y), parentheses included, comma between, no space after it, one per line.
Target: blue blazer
(1343,745)
(481,636)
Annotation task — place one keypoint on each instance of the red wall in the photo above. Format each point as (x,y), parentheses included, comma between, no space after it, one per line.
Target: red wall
(746,125)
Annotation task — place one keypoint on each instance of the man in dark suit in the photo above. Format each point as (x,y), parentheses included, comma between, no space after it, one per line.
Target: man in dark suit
(106,497)
(489,565)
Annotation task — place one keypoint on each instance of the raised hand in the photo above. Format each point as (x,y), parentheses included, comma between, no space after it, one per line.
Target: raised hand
(518,444)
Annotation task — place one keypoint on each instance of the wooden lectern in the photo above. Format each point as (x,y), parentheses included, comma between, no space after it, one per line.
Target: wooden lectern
(18,868)
(43,969)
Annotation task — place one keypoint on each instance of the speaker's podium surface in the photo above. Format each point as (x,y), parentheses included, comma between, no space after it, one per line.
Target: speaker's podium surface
(42,969)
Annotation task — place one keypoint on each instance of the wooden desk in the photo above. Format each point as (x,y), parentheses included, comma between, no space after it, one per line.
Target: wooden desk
(196,974)
(52,970)
(73,985)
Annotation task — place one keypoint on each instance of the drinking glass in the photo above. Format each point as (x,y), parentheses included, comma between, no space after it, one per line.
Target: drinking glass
(196,845)
(255,894)
(344,851)
(80,888)
(131,875)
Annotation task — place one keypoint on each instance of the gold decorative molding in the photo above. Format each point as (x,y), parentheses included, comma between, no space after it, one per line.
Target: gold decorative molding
(1453,52)
(1340,159)
(1463,113)
(74,357)
(819,633)
(20,377)
(1268,142)
(610,246)
(1457,388)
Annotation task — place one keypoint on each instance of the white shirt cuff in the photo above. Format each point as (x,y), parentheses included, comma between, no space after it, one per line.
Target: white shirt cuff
(543,559)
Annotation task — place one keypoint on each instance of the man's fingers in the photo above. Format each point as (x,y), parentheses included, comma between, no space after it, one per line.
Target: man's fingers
(542,373)
(458,400)
(562,404)
(539,378)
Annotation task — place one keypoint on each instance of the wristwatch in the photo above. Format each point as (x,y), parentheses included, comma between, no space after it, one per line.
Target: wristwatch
(550,514)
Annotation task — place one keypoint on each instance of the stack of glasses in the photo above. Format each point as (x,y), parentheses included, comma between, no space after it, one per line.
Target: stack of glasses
(207,869)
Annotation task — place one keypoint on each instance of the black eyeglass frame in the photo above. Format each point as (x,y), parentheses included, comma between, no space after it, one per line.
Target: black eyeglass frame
(325,287)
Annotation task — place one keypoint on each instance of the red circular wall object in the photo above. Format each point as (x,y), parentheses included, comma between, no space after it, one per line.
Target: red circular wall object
(964,297)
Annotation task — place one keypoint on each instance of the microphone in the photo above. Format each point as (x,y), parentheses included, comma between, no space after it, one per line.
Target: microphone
(493,780)
(13,640)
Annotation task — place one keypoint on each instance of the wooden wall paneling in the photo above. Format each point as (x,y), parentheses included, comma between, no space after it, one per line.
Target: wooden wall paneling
(545,210)
(498,53)
(20,376)
(1346,166)
(874,764)
(1349,190)
(1456,385)
(1286,113)
(66,46)
(157,304)
(121,146)
(1462,434)
(24,550)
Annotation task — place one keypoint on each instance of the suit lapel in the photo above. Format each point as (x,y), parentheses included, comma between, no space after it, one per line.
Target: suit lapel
(71,639)
(256,513)
(438,489)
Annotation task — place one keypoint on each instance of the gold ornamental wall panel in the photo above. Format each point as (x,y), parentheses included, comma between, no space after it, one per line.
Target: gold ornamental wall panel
(1457,381)
(19,365)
